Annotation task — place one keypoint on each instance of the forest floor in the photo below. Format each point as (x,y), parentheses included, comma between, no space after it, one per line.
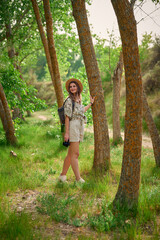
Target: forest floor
(26,201)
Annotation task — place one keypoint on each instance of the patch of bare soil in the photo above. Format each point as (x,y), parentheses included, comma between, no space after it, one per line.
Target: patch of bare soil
(26,201)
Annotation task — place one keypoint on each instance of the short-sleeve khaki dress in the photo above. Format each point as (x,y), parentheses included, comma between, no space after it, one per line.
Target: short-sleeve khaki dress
(77,119)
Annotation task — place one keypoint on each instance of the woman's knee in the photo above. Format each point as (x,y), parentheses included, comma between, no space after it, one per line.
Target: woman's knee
(75,154)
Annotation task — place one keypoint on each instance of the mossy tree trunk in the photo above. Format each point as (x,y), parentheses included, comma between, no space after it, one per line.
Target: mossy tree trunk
(116,99)
(9,127)
(128,190)
(101,136)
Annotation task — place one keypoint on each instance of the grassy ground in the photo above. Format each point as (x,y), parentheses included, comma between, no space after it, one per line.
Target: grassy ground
(34,205)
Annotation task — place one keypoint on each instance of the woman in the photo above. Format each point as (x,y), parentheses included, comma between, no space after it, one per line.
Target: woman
(74,127)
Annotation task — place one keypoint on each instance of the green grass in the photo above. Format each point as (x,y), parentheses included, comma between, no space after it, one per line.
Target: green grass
(39,161)
(16,226)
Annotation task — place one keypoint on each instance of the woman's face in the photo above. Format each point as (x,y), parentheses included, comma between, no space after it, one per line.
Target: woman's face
(73,88)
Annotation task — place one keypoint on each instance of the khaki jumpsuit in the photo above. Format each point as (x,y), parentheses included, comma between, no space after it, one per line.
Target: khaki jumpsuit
(77,119)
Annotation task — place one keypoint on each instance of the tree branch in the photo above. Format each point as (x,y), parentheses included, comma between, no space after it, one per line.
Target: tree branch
(17,25)
(29,54)
(132,3)
(148,15)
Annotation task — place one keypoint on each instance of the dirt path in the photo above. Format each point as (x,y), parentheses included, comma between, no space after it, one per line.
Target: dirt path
(146,140)
(44,118)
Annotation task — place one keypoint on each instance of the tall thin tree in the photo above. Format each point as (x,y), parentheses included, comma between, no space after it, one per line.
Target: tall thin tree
(152,130)
(128,190)
(52,51)
(45,45)
(101,136)
(116,99)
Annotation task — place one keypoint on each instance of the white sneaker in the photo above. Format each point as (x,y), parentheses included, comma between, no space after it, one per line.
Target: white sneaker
(81,180)
(62,178)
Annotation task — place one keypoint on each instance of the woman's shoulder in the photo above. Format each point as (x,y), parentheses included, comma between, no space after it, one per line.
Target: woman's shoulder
(68,101)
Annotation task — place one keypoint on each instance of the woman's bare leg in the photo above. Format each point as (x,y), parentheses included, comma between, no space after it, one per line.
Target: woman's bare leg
(74,154)
(67,163)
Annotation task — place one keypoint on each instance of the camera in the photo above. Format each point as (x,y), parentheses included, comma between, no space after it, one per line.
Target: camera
(66,144)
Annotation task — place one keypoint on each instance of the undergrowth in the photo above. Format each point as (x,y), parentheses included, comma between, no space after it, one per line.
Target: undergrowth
(39,161)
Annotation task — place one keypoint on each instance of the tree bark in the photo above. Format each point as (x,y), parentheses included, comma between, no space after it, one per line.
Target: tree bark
(44,40)
(152,130)
(9,37)
(52,51)
(10,131)
(128,190)
(116,99)
(3,117)
(101,136)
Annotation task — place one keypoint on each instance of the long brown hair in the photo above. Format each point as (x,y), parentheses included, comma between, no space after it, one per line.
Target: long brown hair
(77,94)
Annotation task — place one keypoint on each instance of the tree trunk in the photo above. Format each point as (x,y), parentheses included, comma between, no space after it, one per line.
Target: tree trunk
(116,99)
(52,51)
(101,136)
(10,132)
(3,117)
(128,190)
(9,37)
(44,40)
(152,130)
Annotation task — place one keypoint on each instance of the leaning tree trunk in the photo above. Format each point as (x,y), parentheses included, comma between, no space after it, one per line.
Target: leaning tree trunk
(101,136)
(116,99)
(10,132)
(45,43)
(128,190)
(3,117)
(52,51)
(152,130)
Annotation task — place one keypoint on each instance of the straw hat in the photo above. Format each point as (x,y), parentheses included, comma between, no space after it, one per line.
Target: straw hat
(74,80)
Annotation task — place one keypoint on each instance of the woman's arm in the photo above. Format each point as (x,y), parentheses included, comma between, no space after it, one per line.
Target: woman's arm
(90,104)
(87,107)
(66,135)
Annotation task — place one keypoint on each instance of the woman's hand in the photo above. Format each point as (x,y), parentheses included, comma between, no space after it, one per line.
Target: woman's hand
(92,100)
(90,104)
(66,137)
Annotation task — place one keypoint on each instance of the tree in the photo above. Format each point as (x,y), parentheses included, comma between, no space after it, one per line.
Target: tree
(101,137)
(3,117)
(52,51)
(152,130)
(128,190)
(107,53)
(44,41)
(17,40)
(116,99)
(6,118)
